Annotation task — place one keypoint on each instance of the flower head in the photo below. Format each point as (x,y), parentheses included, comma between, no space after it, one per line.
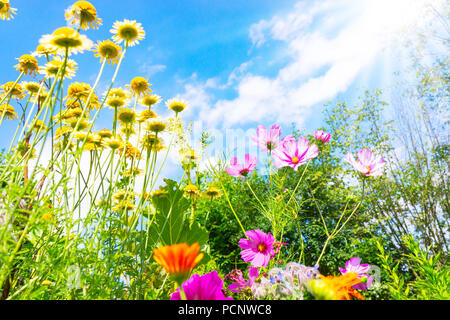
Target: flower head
(8,111)
(206,287)
(176,105)
(368,164)
(127,31)
(178,259)
(6,12)
(113,143)
(50,70)
(192,191)
(126,116)
(319,135)
(212,193)
(237,170)
(150,100)
(13,89)
(293,154)
(31,86)
(240,284)
(117,98)
(335,288)
(146,115)
(354,265)
(84,15)
(44,49)
(258,248)
(156,125)
(139,86)
(66,38)
(27,64)
(108,50)
(269,140)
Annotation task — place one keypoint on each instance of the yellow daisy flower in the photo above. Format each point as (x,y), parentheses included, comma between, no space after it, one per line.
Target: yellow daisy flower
(39,126)
(105,134)
(150,100)
(81,91)
(32,87)
(113,143)
(146,115)
(127,31)
(28,65)
(192,191)
(7,111)
(44,50)
(77,124)
(124,206)
(16,91)
(63,131)
(83,14)
(212,193)
(50,70)
(139,86)
(176,105)
(123,195)
(126,116)
(66,38)
(156,125)
(108,50)
(6,12)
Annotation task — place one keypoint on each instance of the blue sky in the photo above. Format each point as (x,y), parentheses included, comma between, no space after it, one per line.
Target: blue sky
(238,63)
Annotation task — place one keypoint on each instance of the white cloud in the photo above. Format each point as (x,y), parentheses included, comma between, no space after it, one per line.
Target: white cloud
(151,69)
(327,45)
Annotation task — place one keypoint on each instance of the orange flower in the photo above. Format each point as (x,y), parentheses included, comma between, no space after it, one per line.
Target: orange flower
(178,259)
(335,288)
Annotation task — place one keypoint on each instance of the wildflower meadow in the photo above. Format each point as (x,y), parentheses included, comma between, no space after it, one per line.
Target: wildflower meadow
(111,190)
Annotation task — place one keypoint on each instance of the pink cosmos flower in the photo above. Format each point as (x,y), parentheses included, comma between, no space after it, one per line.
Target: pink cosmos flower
(237,170)
(322,136)
(206,287)
(368,164)
(258,248)
(269,140)
(354,265)
(293,154)
(239,282)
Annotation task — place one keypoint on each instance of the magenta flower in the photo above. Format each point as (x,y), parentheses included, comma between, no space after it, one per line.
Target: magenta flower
(354,265)
(258,248)
(206,287)
(269,140)
(240,283)
(237,170)
(322,136)
(293,154)
(368,164)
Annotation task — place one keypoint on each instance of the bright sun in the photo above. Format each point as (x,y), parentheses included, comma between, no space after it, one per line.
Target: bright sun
(396,15)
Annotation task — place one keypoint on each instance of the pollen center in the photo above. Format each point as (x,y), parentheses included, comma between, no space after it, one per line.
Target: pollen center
(262,247)
(295,160)
(244,172)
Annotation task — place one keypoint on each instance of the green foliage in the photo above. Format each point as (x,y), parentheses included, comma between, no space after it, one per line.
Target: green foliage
(431,279)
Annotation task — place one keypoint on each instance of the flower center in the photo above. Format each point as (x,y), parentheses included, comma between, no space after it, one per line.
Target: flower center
(368,169)
(244,172)
(128,32)
(270,145)
(295,160)
(262,247)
